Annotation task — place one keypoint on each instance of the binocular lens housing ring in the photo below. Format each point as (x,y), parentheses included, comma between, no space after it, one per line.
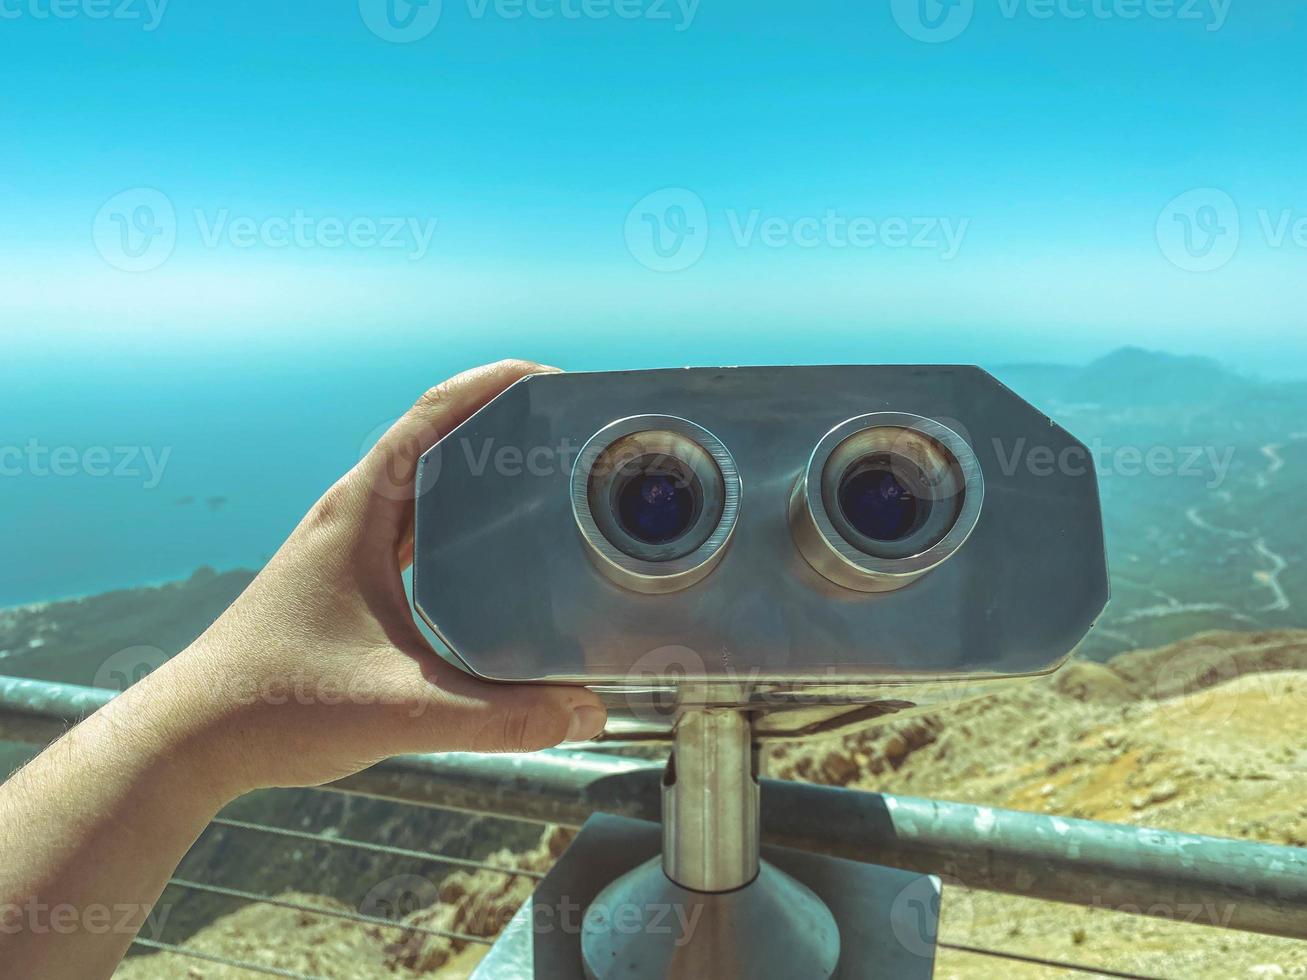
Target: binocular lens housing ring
(656,500)
(885,498)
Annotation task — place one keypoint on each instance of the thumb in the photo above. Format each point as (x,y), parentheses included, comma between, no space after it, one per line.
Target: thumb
(471,715)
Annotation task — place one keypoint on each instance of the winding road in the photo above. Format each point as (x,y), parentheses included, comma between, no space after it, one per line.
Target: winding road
(1267,578)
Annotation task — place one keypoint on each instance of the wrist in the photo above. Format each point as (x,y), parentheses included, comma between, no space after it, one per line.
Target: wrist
(169,729)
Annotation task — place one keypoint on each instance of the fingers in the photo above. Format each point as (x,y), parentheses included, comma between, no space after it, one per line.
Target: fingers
(436,414)
(464,714)
(524,718)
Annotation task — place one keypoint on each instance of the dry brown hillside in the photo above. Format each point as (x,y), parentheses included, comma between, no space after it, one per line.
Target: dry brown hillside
(1208,735)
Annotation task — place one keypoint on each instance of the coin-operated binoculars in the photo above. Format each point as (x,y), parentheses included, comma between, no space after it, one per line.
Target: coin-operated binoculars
(741,554)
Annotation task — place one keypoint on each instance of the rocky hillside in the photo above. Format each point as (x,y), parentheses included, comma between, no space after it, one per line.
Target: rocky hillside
(108,639)
(1208,735)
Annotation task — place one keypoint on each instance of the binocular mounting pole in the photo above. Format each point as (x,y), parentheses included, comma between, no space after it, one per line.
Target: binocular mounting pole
(709,906)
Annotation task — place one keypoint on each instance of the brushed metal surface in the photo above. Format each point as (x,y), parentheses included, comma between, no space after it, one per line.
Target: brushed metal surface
(887,919)
(773,928)
(502,576)
(712,802)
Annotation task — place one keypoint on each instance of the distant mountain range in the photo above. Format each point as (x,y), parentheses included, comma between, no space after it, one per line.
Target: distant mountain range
(1202,474)
(1130,375)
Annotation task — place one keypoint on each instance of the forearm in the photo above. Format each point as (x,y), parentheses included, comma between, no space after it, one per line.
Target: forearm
(91,830)
(316,671)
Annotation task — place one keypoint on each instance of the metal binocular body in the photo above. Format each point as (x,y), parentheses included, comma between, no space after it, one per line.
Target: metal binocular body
(828,543)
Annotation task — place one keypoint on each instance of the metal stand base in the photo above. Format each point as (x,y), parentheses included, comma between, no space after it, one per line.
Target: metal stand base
(644,926)
(886,918)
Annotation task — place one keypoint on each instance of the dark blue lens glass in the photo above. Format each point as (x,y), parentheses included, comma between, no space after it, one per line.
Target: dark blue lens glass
(877,503)
(656,507)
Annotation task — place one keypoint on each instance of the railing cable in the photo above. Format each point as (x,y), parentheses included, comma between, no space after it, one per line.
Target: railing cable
(1101,971)
(391,850)
(373,920)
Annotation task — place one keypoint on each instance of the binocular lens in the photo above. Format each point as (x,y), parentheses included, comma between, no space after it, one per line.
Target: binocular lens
(885,498)
(659,502)
(655,497)
(877,502)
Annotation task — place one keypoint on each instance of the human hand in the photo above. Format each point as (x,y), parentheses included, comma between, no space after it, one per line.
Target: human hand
(318,669)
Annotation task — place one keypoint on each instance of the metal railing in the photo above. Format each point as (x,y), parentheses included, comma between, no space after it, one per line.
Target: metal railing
(1246,886)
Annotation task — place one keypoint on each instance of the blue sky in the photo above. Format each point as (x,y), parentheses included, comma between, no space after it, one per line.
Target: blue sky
(248,234)
(1009,178)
